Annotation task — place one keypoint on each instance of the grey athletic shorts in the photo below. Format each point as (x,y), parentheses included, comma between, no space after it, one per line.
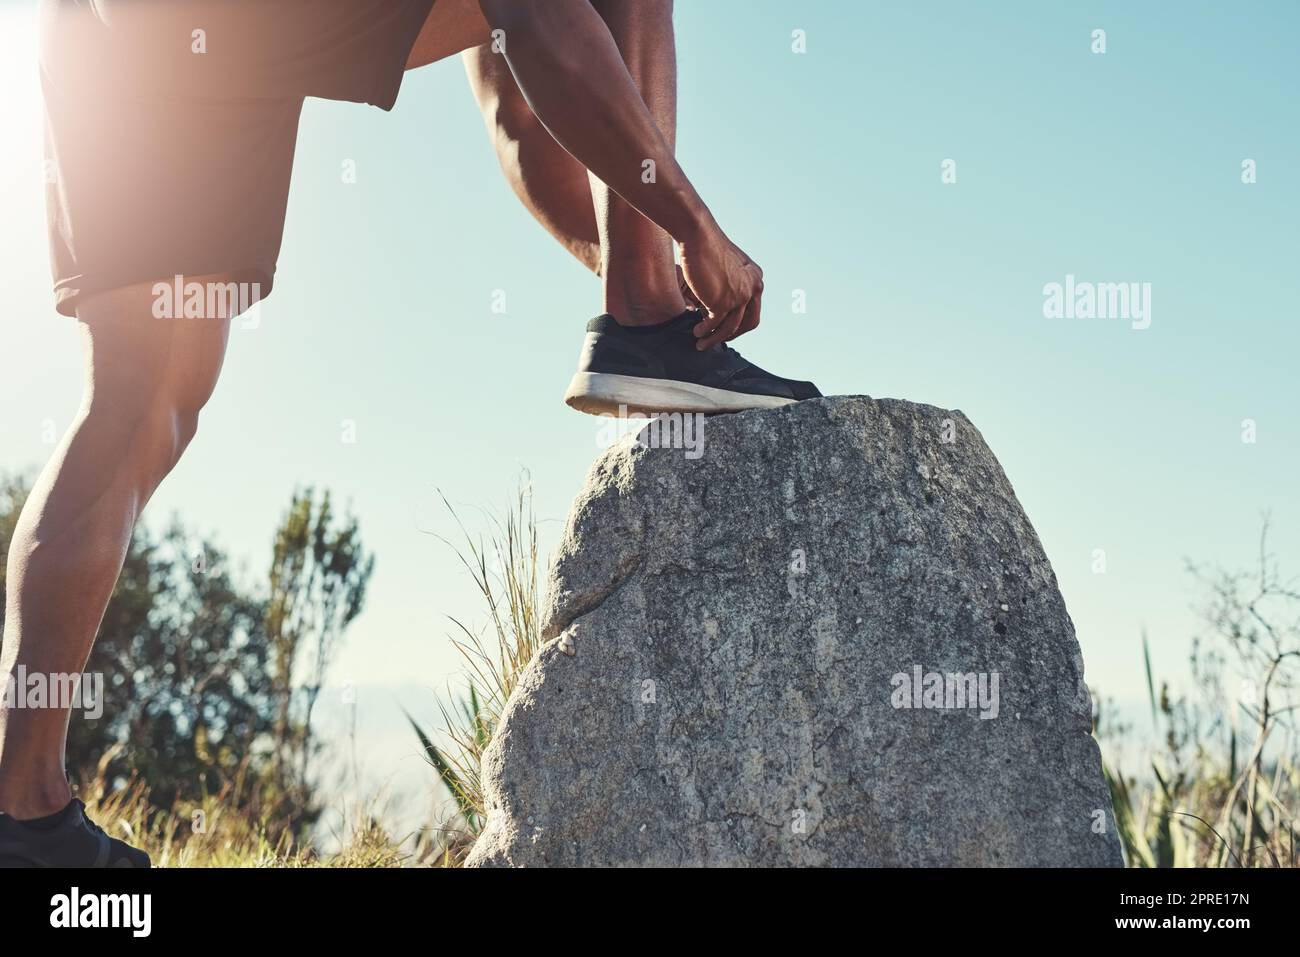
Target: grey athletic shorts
(170,126)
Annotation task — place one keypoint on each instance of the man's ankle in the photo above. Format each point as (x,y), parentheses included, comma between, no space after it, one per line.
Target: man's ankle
(642,296)
(645,311)
(33,802)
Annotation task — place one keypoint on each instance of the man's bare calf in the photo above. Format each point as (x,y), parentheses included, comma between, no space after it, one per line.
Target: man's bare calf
(146,381)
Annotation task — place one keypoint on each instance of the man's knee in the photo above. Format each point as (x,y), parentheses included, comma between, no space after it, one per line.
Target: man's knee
(147,425)
(144,445)
(181,425)
(148,379)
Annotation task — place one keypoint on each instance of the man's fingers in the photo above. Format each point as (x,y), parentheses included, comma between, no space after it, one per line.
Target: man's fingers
(687,292)
(719,327)
(709,322)
(753,313)
(724,330)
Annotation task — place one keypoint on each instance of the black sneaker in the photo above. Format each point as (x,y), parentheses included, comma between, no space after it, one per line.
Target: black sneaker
(65,839)
(651,369)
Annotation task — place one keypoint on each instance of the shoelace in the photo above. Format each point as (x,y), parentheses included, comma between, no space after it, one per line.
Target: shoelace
(727,350)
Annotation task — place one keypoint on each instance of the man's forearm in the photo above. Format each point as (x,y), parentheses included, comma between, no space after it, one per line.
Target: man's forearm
(571,72)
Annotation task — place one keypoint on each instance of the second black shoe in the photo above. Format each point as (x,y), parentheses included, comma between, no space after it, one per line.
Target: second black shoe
(650,369)
(65,839)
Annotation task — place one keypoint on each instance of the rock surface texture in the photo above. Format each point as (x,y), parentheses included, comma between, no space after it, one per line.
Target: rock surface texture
(832,638)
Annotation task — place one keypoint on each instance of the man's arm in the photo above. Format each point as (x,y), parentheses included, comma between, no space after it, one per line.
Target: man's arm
(570,71)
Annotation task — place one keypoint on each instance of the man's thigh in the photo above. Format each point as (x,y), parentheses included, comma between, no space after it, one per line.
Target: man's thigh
(148,189)
(177,162)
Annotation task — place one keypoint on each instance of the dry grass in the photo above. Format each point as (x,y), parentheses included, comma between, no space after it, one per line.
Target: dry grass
(224,830)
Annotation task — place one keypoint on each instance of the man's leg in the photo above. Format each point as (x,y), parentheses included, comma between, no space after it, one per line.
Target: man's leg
(146,380)
(551,184)
(633,256)
(637,262)
(651,370)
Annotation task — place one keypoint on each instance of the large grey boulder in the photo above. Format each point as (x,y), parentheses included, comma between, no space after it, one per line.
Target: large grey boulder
(827,636)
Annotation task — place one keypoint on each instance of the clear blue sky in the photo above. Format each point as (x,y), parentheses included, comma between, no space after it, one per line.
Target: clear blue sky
(825,166)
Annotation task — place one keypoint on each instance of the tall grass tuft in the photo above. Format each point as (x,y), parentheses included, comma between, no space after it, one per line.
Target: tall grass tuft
(504,569)
(1201,805)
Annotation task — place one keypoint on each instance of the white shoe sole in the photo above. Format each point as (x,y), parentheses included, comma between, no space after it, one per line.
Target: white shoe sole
(603,393)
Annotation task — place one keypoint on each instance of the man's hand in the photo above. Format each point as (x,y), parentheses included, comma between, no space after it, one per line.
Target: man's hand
(572,75)
(726,282)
